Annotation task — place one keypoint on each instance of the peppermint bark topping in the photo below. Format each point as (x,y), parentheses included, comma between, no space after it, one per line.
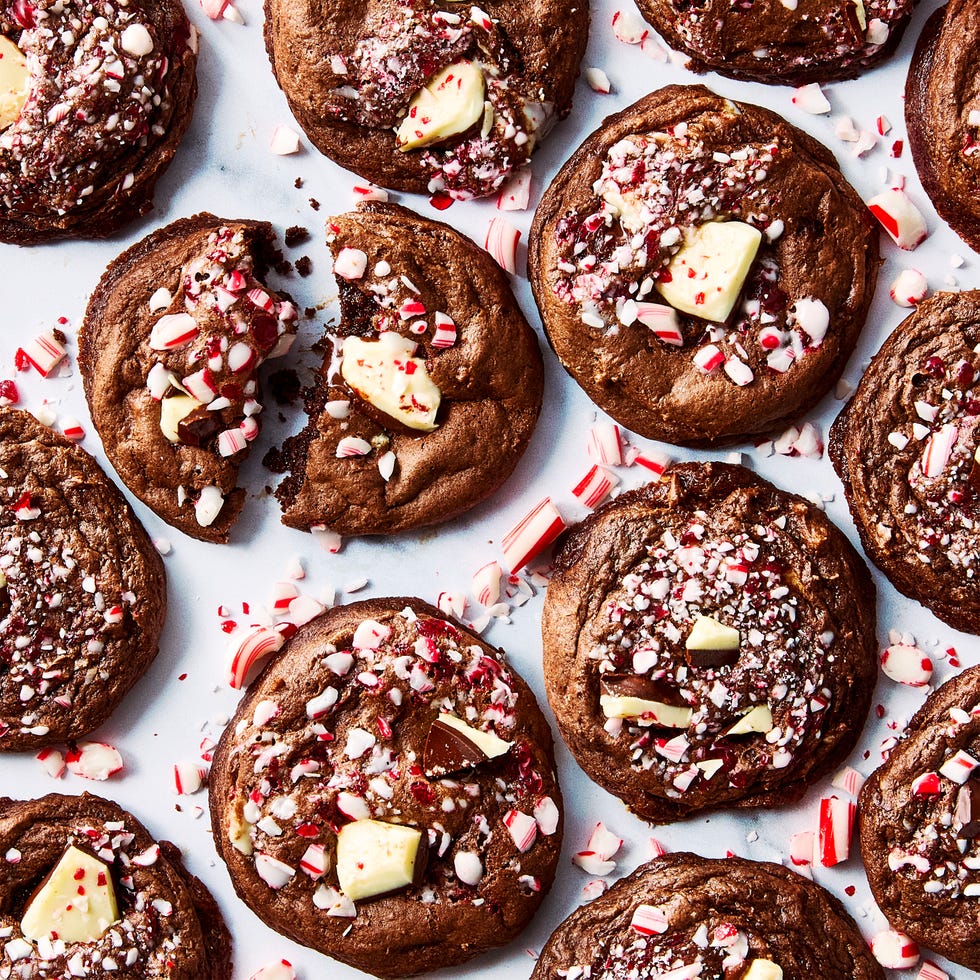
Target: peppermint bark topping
(711,663)
(676,220)
(411,739)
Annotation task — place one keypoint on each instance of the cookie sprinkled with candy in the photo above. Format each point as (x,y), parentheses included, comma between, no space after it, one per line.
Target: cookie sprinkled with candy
(172,342)
(702,267)
(404,771)
(905,448)
(428,97)
(102,94)
(920,823)
(87,892)
(682,917)
(711,664)
(82,589)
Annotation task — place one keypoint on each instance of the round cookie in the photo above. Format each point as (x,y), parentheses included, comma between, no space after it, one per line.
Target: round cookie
(919,820)
(702,268)
(83,593)
(173,337)
(429,96)
(711,919)
(390,753)
(709,641)
(779,41)
(397,439)
(145,914)
(904,449)
(96,98)
(942,111)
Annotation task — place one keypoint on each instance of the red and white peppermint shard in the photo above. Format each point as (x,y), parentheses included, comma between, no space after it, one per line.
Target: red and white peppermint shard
(52,762)
(501,243)
(94,760)
(604,842)
(907,665)
(849,780)
(515,194)
(283,970)
(810,98)
(272,871)
(801,849)
(598,80)
(352,446)
(173,330)
(937,450)
(708,358)
(909,288)
(284,141)
(649,920)
(72,429)
(188,777)
(834,832)
(547,815)
(314,861)
(248,650)
(662,320)
(926,785)
(899,217)
(350,263)
(595,486)
(522,828)
(959,767)
(445,333)
(649,459)
(370,193)
(605,444)
(485,586)
(894,950)
(532,534)
(929,971)
(628,27)
(45,352)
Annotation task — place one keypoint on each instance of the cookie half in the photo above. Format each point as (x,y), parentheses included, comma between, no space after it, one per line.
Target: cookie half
(779,41)
(919,818)
(430,393)
(942,111)
(685,916)
(143,911)
(386,792)
(173,336)
(428,96)
(904,448)
(709,641)
(83,593)
(100,95)
(702,267)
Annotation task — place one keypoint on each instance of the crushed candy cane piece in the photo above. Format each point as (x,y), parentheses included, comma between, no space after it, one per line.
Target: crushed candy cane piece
(501,243)
(598,80)
(907,665)
(909,288)
(94,760)
(834,832)
(810,98)
(894,950)
(899,217)
(284,141)
(532,534)
(247,649)
(188,778)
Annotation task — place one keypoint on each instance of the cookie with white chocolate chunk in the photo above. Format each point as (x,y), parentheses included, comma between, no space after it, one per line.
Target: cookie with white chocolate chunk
(709,641)
(919,820)
(83,593)
(683,916)
(431,391)
(386,792)
(702,268)
(173,337)
(436,95)
(87,892)
(906,450)
(95,97)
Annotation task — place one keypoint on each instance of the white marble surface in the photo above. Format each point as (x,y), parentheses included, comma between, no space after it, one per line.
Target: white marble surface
(225,167)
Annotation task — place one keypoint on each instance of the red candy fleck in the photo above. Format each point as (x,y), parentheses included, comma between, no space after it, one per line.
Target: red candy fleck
(8,393)
(230,626)
(440,200)
(424,793)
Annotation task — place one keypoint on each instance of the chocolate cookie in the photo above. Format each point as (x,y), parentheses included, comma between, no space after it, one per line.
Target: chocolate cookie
(919,819)
(143,914)
(94,99)
(432,95)
(386,792)
(685,916)
(82,589)
(781,41)
(430,394)
(942,111)
(172,340)
(702,267)
(904,448)
(709,641)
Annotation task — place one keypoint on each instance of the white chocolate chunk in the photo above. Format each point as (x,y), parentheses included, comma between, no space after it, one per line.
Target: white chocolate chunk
(374,858)
(862,16)
(76,902)
(384,373)
(239,834)
(708,634)
(488,743)
(708,272)
(759,719)
(668,715)
(447,106)
(763,970)
(15,82)
(172,410)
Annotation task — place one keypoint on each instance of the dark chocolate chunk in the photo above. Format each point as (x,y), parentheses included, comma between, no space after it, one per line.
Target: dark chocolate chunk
(634,686)
(448,750)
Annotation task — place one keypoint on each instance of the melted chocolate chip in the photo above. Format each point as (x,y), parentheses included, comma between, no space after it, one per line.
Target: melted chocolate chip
(712,658)
(634,686)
